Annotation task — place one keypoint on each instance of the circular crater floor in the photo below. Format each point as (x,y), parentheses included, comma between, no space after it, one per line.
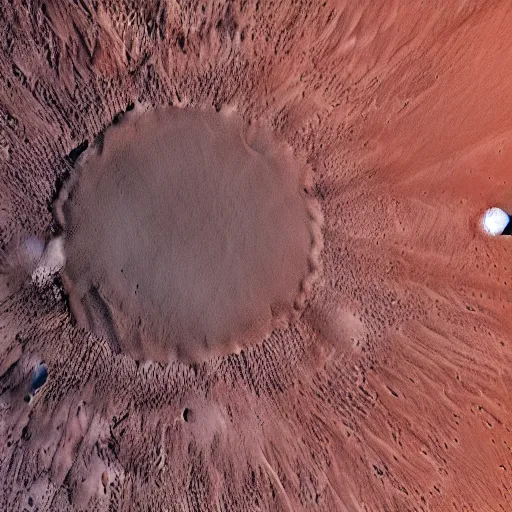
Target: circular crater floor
(186,236)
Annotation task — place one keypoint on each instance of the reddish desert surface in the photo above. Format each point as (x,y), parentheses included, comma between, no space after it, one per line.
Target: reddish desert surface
(386,127)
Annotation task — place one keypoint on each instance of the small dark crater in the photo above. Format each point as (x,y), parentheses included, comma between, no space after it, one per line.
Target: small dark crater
(30,501)
(187,413)
(25,434)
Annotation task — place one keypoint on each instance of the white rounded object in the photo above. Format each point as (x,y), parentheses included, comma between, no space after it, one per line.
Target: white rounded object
(495,221)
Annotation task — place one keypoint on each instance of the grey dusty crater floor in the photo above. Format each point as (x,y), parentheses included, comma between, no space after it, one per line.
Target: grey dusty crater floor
(185,238)
(375,373)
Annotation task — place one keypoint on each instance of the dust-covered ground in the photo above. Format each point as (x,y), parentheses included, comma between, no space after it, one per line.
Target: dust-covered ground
(186,236)
(391,390)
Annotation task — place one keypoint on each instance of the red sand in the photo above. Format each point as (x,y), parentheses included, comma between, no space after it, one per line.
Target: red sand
(391,390)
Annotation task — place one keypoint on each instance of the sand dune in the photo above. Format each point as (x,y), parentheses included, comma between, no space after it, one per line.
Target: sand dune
(388,389)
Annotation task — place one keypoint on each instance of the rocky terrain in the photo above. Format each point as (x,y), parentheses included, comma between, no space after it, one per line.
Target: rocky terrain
(390,391)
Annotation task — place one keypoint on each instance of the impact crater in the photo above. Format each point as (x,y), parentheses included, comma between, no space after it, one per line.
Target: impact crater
(187,235)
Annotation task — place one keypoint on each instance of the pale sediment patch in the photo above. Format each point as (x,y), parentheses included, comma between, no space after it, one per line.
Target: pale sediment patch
(51,262)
